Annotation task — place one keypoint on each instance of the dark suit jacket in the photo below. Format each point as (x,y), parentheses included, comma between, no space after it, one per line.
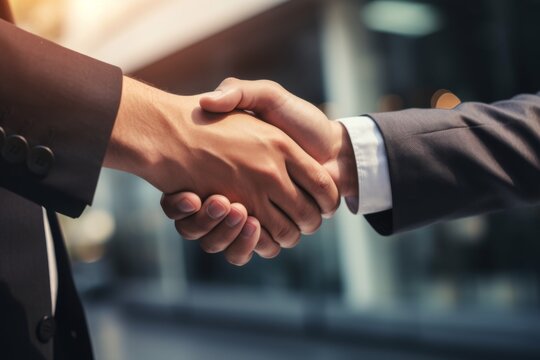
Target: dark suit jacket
(446,164)
(57,110)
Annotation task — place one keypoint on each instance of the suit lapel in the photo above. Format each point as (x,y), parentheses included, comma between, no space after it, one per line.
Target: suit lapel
(71,340)
(24,278)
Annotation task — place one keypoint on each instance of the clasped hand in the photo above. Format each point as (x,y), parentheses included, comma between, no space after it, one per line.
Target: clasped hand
(221,222)
(263,182)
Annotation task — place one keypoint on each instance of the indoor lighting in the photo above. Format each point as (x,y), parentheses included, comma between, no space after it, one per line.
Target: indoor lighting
(401,17)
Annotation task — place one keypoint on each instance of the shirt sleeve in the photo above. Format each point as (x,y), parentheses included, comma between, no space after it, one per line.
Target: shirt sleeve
(375,193)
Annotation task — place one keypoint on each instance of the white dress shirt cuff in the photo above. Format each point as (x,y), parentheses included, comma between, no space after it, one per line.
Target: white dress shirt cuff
(51,257)
(375,193)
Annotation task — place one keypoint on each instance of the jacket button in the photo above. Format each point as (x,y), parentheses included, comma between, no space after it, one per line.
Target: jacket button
(15,149)
(40,160)
(45,329)
(2,137)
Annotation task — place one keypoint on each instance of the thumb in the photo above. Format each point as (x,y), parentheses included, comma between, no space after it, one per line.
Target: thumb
(261,97)
(222,100)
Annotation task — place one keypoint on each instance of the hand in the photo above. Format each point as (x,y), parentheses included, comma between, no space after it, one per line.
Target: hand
(169,141)
(325,140)
(233,232)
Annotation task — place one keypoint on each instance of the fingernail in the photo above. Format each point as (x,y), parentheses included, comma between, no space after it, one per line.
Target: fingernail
(248,230)
(215,210)
(234,218)
(186,206)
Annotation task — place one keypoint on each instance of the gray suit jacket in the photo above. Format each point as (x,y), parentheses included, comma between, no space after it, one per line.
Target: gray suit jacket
(446,164)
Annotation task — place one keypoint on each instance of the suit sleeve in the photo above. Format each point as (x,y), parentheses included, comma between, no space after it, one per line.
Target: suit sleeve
(447,164)
(57,111)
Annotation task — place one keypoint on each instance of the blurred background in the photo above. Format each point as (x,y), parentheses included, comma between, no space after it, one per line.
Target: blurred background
(464,289)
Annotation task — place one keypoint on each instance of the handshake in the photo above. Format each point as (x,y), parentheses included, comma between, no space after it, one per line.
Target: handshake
(245,169)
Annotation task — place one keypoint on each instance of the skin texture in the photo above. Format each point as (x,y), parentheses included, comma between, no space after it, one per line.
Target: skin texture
(327,141)
(172,143)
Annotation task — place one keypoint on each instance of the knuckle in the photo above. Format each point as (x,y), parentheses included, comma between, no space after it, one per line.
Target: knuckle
(279,142)
(323,181)
(272,173)
(229,81)
(278,93)
(270,84)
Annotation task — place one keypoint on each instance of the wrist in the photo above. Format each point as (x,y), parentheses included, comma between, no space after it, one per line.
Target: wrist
(342,166)
(123,152)
(139,130)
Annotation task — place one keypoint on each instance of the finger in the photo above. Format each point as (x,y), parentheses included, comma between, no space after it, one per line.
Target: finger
(299,207)
(221,100)
(212,212)
(180,205)
(241,250)
(261,96)
(280,227)
(222,236)
(267,248)
(314,179)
